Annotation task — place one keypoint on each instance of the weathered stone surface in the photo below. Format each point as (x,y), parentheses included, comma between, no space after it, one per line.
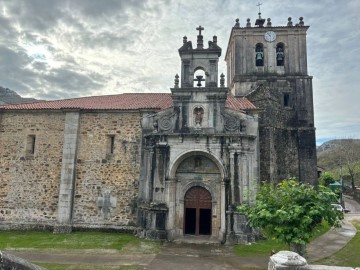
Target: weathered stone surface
(288,260)
(284,95)
(11,262)
(31,183)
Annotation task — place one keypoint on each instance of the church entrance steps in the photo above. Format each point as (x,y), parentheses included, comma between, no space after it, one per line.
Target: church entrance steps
(197,239)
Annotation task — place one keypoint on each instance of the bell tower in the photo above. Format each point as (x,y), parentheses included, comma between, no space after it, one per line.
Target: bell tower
(199,99)
(268,65)
(193,59)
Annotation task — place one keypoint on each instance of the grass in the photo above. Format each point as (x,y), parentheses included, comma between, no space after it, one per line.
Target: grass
(348,255)
(264,247)
(53,266)
(82,242)
(76,242)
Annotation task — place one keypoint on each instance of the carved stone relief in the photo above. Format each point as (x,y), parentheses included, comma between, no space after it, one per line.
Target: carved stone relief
(233,124)
(105,203)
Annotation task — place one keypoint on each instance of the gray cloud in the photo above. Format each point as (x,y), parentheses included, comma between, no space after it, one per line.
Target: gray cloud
(60,49)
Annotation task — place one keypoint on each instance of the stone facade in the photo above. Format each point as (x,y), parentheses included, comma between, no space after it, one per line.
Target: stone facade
(277,83)
(200,158)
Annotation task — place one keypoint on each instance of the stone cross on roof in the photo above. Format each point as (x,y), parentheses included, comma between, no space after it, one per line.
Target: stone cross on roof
(199,29)
(200,42)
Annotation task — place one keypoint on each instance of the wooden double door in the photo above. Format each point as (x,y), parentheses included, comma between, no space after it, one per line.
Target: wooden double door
(198,211)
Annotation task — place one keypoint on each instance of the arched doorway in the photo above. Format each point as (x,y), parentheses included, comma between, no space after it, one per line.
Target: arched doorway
(197,208)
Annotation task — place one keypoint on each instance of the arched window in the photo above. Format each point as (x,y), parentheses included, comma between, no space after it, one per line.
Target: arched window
(199,77)
(259,55)
(280,54)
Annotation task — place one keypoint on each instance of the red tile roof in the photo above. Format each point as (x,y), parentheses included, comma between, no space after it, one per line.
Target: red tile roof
(155,101)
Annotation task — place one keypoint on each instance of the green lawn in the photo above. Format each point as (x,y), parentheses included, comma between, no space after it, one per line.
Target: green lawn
(52,266)
(264,247)
(347,256)
(76,241)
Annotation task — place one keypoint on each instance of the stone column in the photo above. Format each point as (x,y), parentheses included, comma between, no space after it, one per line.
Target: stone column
(149,176)
(232,175)
(222,210)
(170,197)
(243,177)
(68,167)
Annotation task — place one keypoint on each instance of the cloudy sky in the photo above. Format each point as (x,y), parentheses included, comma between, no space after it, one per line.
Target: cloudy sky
(51,49)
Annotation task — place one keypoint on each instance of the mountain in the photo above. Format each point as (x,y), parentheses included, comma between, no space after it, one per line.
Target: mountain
(8,96)
(332,145)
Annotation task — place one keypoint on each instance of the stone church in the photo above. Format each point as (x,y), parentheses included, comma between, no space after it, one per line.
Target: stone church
(167,165)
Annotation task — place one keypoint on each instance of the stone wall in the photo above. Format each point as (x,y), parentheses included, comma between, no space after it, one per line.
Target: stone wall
(106,181)
(286,131)
(30,182)
(100,172)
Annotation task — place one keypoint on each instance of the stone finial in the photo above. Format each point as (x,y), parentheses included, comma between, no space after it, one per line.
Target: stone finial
(301,21)
(184,39)
(222,80)
(268,24)
(176,81)
(248,24)
(214,39)
(289,22)
(237,24)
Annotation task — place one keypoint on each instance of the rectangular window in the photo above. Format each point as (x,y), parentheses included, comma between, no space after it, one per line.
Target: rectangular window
(286,100)
(111,144)
(30,145)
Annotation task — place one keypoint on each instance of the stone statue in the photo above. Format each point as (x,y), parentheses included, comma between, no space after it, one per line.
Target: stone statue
(198,113)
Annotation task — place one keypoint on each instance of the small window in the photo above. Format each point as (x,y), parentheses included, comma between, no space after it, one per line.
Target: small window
(259,55)
(286,100)
(280,54)
(30,145)
(110,144)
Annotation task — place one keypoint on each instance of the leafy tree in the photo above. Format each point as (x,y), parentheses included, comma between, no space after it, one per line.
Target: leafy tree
(290,211)
(349,157)
(326,179)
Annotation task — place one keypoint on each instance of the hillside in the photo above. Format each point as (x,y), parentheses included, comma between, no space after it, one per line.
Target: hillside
(341,158)
(8,96)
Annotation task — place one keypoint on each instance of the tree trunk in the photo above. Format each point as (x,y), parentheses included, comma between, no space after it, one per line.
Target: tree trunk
(298,248)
